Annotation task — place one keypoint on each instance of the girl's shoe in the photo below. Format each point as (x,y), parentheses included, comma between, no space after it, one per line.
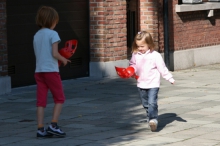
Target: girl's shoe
(42,133)
(153,124)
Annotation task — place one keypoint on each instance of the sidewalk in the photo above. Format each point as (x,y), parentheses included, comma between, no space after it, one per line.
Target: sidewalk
(108,112)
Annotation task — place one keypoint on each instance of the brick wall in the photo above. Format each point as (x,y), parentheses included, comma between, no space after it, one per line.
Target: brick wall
(149,18)
(108,30)
(188,30)
(3,40)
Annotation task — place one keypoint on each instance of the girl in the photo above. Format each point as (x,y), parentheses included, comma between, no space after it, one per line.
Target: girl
(148,65)
(47,72)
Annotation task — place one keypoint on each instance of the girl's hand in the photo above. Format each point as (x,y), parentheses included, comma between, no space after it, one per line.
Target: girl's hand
(172,83)
(133,76)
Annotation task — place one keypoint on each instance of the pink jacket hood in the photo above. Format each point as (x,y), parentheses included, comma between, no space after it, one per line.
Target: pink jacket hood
(149,67)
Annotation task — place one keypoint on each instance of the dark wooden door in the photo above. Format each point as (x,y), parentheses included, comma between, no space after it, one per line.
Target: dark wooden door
(21,27)
(132,21)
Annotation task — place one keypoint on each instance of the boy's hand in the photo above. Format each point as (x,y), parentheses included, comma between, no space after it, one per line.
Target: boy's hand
(65,61)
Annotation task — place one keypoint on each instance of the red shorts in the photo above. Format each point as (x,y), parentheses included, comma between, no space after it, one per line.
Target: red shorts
(49,81)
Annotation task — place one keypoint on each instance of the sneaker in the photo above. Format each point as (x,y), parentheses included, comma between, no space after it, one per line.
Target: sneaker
(153,124)
(42,133)
(54,129)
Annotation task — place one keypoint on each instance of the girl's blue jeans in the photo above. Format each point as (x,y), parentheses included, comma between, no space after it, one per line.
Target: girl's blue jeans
(149,101)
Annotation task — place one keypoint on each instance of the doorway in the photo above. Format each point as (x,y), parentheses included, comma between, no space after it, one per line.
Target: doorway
(132,24)
(21,27)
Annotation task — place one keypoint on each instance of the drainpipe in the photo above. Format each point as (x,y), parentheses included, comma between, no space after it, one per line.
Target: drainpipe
(166,34)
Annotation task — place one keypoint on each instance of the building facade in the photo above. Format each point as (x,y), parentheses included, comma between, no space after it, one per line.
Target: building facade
(105,30)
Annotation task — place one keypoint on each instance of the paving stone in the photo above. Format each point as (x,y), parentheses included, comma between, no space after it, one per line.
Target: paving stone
(108,112)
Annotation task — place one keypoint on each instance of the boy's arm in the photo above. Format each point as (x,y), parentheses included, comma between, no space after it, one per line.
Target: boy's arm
(57,55)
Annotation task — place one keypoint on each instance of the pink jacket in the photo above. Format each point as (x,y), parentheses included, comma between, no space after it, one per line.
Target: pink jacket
(149,67)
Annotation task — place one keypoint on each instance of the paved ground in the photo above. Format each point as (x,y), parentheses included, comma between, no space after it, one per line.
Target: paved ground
(108,112)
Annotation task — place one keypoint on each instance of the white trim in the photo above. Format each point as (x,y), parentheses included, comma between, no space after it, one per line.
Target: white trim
(197,7)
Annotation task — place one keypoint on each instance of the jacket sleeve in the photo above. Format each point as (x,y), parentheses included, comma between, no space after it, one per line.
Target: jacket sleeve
(132,62)
(161,67)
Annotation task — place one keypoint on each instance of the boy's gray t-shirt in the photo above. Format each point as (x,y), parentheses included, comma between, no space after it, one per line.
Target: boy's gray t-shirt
(43,40)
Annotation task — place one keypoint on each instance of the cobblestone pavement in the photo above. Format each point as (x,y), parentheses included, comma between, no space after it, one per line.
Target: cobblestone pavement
(108,112)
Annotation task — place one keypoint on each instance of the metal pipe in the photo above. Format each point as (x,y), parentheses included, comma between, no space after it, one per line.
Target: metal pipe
(166,34)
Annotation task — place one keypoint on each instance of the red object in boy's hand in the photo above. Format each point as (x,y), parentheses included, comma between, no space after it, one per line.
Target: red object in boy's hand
(68,50)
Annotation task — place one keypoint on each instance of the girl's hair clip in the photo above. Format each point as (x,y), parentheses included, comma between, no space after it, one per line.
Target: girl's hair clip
(139,32)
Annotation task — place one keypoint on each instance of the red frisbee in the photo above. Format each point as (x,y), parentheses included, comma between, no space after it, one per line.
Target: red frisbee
(121,72)
(126,72)
(68,50)
(130,71)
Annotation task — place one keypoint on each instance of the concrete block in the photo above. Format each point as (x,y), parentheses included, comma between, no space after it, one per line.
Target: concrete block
(96,69)
(207,55)
(183,59)
(106,69)
(5,85)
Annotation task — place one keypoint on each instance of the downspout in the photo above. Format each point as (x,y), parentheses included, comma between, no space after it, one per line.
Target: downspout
(166,34)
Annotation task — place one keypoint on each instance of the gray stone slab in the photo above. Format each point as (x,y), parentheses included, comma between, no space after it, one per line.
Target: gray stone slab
(106,135)
(196,141)
(108,111)
(9,140)
(71,142)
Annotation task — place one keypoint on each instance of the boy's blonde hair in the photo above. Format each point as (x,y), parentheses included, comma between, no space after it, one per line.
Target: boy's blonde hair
(145,36)
(46,17)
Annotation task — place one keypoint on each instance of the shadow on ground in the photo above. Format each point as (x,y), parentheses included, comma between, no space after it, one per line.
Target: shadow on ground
(168,118)
(96,112)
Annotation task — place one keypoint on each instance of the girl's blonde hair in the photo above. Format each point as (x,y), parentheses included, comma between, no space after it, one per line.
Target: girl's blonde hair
(145,36)
(46,17)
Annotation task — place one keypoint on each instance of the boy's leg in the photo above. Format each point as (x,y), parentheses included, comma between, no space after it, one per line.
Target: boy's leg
(41,131)
(56,112)
(42,90)
(53,127)
(55,85)
(40,117)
